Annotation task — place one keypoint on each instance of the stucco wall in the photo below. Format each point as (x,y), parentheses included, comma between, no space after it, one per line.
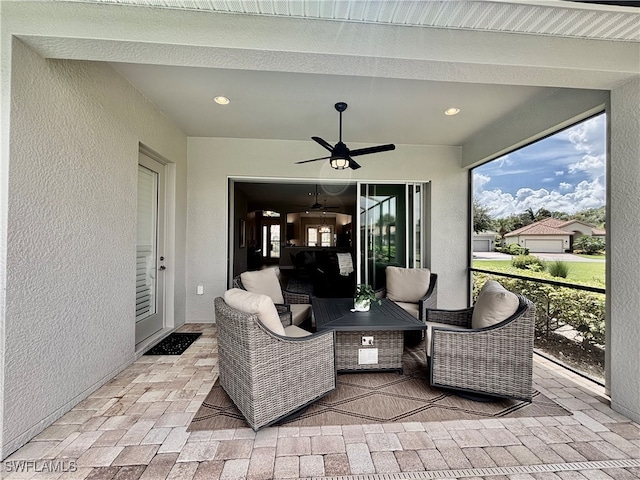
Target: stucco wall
(213,160)
(623,243)
(74,140)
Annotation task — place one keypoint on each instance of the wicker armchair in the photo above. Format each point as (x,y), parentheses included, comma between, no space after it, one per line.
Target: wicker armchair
(287,316)
(494,361)
(266,375)
(429,300)
(415,308)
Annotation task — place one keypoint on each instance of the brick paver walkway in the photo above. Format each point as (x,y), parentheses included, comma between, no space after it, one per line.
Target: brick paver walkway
(134,428)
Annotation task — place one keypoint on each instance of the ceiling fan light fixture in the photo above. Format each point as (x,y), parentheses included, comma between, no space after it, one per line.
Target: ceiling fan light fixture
(221,100)
(339,163)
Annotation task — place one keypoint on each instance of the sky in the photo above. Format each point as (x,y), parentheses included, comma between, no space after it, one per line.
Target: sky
(564,172)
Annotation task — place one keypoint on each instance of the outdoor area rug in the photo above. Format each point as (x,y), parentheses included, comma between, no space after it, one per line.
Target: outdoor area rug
(380,397)
(174,344)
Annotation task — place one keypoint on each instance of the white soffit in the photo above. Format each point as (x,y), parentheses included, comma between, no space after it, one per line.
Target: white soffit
(550,17)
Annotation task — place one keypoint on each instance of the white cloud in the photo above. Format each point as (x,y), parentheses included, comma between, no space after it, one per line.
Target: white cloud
(571,169)
(585,195)
(479,181)
(586,136)
(592,164)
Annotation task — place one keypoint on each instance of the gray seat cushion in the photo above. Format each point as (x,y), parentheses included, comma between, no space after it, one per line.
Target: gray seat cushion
(493,305)
(299,312)
(407,284)
(430,325)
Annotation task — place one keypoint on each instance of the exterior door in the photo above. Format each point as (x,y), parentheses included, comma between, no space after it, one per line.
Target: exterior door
(271,241)
(149,248)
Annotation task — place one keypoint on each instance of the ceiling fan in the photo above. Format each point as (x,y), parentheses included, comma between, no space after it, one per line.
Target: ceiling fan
(318,206)
(340,157)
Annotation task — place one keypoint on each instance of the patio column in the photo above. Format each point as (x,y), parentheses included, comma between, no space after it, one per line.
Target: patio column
(623,263)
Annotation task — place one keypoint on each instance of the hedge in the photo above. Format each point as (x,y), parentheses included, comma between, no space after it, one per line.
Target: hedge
(556,306)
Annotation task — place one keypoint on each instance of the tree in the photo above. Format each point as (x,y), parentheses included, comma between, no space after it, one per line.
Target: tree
(504,226)
(589,245)
(482,221)
(592,216)
(542,213)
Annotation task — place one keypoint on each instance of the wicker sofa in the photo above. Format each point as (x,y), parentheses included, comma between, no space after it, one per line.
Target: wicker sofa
(493,360)
(270,376)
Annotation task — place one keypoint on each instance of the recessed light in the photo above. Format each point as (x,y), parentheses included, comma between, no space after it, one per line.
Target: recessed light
(452,111)
(220,100)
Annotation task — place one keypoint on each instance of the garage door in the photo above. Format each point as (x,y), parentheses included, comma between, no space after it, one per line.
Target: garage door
(481,245)
(544,246)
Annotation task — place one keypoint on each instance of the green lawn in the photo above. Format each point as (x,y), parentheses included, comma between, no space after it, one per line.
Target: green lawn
(591,273)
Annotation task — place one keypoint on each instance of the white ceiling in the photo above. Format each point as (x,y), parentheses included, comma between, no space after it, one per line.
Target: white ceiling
(571,18)
(295,106)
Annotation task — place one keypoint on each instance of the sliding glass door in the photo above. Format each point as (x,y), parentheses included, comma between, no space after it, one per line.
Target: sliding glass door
(390,224)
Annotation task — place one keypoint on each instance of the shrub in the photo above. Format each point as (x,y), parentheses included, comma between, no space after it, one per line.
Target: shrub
(557,306)
(515,249)
(558,269)
(528,262)
(589,245)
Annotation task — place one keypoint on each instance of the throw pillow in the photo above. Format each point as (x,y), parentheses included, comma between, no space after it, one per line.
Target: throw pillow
(255,304)
(493,305)
(265,282)
(407,284)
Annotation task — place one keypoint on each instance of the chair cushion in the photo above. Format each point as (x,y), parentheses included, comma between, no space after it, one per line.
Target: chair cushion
(493,305)
(299,312)
(255,304)
(411,308)
(265,282)
(407,284)
(296,332)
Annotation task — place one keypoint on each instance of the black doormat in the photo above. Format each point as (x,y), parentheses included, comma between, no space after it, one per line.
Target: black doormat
(174,344)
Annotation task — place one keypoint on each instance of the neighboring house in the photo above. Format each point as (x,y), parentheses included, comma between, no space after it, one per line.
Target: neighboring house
(552,235)
(484,241)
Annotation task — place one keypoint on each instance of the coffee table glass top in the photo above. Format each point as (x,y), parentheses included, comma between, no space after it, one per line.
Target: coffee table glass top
(336,314)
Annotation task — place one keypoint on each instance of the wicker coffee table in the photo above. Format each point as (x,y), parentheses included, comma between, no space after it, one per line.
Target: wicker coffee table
(372,340)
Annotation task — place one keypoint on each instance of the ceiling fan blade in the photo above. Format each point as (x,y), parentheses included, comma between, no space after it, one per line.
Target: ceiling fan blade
(367,150)
(313,160)
(353,164)
(324,143)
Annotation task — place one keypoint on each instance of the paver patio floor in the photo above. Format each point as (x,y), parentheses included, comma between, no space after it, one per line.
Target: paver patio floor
(135,428)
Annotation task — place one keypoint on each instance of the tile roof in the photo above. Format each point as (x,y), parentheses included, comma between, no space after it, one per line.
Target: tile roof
(551,226)
(548,226)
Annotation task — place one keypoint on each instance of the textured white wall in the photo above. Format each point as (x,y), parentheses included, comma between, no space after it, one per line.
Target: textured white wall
(70,298)
(623,237)
(213,160)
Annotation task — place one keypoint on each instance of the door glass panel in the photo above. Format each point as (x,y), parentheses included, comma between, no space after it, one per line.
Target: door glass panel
(391,233)
(146,248)
(274,239)
(271,240)
(383,230)
(414,223)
